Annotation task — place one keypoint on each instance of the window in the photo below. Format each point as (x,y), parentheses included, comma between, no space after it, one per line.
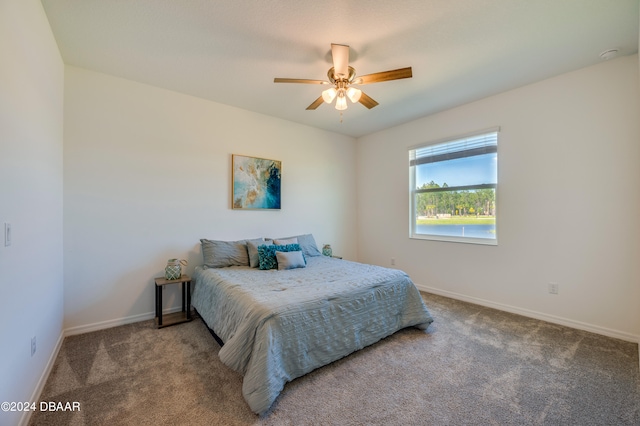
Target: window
(453,189)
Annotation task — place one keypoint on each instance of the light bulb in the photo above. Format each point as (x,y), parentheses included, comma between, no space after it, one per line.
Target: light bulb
(329,94)
(354,94)
(341,102)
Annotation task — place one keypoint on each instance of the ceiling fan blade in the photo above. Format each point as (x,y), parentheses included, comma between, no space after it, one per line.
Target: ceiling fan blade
(384,76)
(299,80)
(316,103)
(340,54)
(367,101)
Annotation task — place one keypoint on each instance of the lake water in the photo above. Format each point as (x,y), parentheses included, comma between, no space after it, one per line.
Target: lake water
(471,231)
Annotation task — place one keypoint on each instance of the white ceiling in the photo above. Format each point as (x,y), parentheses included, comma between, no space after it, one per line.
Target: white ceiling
(229,51)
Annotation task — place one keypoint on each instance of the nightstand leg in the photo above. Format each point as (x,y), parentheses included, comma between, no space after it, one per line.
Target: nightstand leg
(159,292)
(188,284)
(183,291)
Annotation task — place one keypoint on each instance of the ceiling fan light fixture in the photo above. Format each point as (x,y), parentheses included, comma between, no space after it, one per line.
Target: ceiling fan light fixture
(341,102)
(329,95)
(354,94)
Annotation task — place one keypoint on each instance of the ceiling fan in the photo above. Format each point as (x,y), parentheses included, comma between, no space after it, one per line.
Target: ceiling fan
(342,77)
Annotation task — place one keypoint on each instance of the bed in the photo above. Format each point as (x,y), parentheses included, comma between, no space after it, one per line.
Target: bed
(278,325)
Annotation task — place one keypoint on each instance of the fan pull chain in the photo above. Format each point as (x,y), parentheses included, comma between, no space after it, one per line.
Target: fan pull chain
(340,117)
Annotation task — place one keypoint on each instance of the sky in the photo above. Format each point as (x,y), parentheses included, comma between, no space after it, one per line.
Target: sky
(461,171)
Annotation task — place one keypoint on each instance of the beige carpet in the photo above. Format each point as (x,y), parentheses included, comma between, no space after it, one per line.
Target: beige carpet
(474,366)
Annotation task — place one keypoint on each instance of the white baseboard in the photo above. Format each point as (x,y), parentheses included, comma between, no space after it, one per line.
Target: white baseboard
(81,329)
(533,314)
(35,396)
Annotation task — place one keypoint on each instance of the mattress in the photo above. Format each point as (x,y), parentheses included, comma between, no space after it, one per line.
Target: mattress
(280,325)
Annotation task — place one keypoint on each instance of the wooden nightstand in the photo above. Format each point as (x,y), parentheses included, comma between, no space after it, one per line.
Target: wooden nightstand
(176,317)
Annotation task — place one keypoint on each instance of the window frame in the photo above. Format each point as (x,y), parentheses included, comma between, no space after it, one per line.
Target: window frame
(413,191)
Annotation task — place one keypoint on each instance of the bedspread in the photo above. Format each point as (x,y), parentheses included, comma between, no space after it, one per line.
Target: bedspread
(280,325)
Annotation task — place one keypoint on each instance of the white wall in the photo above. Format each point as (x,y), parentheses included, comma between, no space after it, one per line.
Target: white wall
(31,102)
(568,200)
(147,174)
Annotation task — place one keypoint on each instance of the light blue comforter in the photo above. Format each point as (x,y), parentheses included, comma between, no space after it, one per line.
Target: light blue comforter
(279,325)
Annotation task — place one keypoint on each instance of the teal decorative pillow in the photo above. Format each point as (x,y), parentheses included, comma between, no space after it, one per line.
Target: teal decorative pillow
(267,257)
(267,254)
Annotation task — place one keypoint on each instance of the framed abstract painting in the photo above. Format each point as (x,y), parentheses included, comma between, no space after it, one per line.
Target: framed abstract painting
(256,183)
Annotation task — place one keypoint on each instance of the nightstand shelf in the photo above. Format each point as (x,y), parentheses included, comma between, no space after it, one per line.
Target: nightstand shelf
(176,317)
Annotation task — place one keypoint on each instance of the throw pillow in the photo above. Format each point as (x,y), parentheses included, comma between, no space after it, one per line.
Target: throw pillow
(290,260)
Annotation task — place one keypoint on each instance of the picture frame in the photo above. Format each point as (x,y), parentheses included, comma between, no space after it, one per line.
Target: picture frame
(256,183)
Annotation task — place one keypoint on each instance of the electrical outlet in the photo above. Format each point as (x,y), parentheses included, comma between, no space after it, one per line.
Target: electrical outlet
(553,288)
(393,261)
(33,345)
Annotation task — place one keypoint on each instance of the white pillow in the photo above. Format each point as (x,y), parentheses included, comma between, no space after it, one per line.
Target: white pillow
(284,242)
(307,244)
(290,260)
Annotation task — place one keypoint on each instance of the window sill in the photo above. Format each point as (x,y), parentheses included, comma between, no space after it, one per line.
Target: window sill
(464,240)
